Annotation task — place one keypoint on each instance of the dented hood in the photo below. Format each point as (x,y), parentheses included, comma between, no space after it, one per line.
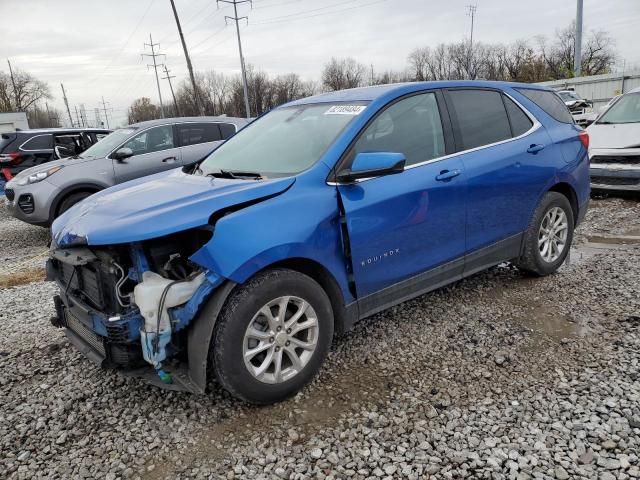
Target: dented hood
(616,135)
(156,206)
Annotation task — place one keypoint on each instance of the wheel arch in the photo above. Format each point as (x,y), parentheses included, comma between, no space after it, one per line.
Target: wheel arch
(67,192)
(344,315)
(568,191)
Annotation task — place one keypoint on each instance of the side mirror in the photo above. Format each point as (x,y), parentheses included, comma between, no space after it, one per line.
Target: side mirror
(373,164)
(122,153)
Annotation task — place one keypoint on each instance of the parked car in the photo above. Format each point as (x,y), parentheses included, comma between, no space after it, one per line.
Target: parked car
(24,149)
(320,213)
(40,194)
(581,109)
(615,145)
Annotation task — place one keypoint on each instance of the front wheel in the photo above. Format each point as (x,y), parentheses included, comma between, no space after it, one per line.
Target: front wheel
(272,336)
(548,238)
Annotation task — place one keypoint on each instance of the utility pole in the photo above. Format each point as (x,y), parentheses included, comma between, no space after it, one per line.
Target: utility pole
(471,13)
(577,61)
(235,18)
(106,117)
(15,90)
(196,93)
(77,117)
(66,102)
(83,115)
(169,77)
(153,55)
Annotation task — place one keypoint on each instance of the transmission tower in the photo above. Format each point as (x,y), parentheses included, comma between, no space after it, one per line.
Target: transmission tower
(155,66)
(236,19)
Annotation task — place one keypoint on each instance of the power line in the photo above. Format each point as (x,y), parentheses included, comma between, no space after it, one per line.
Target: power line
(155,66)
(244,72)
(168,78)
(301,16)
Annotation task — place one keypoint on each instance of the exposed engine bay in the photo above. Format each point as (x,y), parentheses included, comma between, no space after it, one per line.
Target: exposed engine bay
(121,300)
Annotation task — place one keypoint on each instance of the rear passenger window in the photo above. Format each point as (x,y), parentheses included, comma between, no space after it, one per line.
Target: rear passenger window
(482,118)
(227,130)
(194,133)
(39,142)
(411,126)
(550,102)
(520,122)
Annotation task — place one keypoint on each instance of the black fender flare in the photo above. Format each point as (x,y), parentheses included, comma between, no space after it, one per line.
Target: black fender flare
(80,187)
(201,333)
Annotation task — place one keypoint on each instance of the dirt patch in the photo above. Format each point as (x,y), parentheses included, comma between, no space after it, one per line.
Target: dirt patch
(8,280)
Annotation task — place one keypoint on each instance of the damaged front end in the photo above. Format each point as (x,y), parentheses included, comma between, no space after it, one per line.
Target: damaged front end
(129,306)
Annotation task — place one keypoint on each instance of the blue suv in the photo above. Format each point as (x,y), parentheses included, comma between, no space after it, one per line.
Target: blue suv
(322,212)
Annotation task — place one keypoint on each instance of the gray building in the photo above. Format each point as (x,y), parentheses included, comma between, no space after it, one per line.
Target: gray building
(598,88)
(10,121)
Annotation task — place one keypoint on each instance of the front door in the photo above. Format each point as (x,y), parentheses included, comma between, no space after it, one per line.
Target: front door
(154,150)
(401,227)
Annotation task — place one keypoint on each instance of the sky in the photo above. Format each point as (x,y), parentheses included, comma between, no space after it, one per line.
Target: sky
(94,47)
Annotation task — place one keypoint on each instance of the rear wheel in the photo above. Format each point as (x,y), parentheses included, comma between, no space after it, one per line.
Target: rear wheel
(272,336)
(548,239)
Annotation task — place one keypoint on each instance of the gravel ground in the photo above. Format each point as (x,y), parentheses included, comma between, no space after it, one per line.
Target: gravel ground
(497,376)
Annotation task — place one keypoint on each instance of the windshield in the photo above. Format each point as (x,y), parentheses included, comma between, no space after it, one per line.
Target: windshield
(284,142)
(568,96)
(625,110)
(104,147)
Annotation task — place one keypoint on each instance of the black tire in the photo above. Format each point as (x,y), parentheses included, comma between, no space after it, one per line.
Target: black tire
(71,200)
(226,349)
(531,260)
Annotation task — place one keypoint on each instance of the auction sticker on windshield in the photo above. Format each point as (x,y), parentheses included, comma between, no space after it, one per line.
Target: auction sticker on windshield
(345,110)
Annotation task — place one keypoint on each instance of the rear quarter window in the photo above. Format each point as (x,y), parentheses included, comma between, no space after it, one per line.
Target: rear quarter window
(227,130)
(38,142)
(550,102)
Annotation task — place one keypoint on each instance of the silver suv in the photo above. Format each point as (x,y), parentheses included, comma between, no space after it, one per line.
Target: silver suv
(40,194)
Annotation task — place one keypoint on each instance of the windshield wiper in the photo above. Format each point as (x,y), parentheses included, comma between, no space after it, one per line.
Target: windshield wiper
(235,174)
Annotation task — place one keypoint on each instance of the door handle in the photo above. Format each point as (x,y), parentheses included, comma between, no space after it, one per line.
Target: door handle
(534,148)
(447,175)
(169,159)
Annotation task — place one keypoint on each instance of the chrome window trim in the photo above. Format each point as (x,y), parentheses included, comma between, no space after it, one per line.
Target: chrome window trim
(108,156)
(37,149)
(536,125)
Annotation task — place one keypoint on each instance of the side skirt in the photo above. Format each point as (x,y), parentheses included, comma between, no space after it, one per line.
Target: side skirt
(441,275)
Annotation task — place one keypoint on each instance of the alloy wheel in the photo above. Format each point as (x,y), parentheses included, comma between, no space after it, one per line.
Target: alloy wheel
(280,339)
(552,236)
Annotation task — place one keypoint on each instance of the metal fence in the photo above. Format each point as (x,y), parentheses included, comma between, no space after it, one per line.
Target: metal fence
(599,88)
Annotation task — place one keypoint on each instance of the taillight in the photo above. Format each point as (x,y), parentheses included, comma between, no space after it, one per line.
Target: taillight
(7,173)
(10,158)
(584,139)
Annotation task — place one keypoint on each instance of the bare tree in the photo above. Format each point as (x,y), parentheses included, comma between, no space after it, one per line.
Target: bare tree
(142,109)
(21,93)
(343,73)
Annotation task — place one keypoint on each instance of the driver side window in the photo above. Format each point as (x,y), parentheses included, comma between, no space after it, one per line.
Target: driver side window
(410,126)
(152,140)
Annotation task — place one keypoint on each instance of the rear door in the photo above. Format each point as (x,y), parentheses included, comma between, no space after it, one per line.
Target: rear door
(401,226)
(154,150)
(196,140)
(508,158)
